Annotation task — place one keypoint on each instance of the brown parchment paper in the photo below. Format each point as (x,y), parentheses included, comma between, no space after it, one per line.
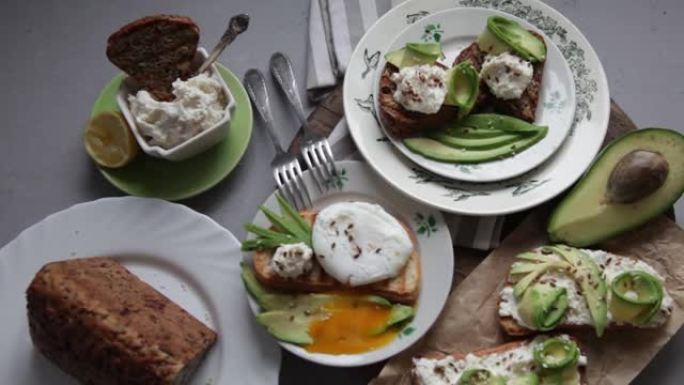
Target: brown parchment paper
(469,320)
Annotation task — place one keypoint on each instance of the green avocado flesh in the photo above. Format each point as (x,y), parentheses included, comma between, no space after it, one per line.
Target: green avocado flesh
(530,378)
(501,122)
(488,42)
(288,316)
(436,150)
(480,377)
(522,41)
(473,143)
(556,353)
(636,297)
(588,277)
(543,306)
(587,216)
(463,86)
(414,54)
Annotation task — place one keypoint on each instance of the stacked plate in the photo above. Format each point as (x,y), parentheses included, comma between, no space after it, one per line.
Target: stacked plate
(574,103)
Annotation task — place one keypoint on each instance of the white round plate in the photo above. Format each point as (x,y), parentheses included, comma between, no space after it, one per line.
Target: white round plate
(356,181)
(185,255)
(460,27)
(528,190)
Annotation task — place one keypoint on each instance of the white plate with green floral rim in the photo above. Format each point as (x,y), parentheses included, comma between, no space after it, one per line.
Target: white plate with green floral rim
(357,181)
(460,27)
(528,190)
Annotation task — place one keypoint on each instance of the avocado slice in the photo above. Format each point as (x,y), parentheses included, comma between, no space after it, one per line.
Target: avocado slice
(480,377)
(636,297)
(543,306)
(463,87)
(288,326)
(501,122)
(414,54)
(398,315)
(556,353)
(588,277)
(473,143)
(489,43)
(531,265)
(522,41)
(587,215)
(460,131)
(439,151)
(530,378)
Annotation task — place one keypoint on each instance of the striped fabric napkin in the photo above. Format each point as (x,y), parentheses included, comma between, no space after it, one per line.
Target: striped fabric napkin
(348,20)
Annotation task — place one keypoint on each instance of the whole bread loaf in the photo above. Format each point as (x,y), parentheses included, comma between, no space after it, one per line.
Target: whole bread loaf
(155,51)
(104,326)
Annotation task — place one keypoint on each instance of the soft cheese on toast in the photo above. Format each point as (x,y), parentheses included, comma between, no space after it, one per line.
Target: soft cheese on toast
(510,361)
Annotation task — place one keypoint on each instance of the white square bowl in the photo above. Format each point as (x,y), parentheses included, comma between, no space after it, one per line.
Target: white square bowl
(193,146)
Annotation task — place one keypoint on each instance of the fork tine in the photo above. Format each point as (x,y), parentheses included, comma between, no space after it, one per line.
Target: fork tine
(325,159)
(295,183)
(313,166)
(287,185)
(330,157)
(300,181)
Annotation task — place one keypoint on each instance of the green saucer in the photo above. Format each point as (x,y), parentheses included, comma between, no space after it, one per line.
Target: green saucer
(157,178)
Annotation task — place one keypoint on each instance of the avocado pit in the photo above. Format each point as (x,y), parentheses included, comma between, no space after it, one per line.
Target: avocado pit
(637,175)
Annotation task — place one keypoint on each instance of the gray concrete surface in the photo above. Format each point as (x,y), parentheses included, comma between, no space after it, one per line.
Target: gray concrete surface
(53,65)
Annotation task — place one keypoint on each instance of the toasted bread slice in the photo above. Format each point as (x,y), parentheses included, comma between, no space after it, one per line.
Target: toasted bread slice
(490,351)
(403,289)
(155,51)
(525,107)
(401,122)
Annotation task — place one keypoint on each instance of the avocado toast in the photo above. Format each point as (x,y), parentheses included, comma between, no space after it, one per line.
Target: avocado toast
(543,359)
(562,288)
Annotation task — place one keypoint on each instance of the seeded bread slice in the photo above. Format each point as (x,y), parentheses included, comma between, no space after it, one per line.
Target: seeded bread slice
(155,51)
(403,288)
(490,351)
(525,107)
(104,326)
(401,122)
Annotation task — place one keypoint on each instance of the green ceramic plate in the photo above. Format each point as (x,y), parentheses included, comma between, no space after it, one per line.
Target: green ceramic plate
(157,178)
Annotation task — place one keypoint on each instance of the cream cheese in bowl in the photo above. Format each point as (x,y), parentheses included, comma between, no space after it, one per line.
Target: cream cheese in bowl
(199,104)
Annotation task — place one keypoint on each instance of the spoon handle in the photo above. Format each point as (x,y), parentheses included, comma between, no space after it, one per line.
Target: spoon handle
(236,26)
(256,89)
(281,69)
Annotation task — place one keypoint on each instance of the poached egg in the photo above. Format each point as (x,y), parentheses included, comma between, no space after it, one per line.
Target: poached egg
(359,243)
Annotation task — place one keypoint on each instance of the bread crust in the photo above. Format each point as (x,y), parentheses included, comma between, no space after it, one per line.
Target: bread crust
(487,351)
(104,326)
(403,289)
(401,122)
(155,51)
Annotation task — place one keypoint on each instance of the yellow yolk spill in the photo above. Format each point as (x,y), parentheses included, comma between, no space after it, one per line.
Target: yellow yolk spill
(351,328)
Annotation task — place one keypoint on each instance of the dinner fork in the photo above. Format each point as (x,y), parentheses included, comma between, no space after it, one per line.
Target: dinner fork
(286,169)
(315,148)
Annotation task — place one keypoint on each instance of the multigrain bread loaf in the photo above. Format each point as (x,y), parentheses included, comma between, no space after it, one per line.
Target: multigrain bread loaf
(104,326)
(525,107)
(155,51)
(401,122)
(490,351)
(404,288)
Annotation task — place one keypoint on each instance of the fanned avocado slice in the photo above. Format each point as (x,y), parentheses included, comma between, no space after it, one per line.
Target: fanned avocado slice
(633,180)
(473,143)
(588,277)
(531,265)
(510,33)
(439,151)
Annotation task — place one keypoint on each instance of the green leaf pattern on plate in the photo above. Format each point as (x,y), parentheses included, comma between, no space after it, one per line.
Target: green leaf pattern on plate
(433,32)
(407,331)
(427,225)
(337,181)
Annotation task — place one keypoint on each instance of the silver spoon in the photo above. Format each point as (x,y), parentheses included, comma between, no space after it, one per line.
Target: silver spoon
(237,25)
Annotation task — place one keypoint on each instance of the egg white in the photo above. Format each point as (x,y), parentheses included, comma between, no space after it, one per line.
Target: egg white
(359,243)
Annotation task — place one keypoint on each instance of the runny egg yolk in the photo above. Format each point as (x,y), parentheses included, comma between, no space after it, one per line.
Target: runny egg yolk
(352,327)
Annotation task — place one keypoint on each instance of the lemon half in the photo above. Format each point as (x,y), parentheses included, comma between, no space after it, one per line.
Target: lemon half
(109,140)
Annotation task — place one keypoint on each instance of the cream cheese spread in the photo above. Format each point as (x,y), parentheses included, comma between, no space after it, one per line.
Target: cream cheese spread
(578,313)
(506,75)
(293,260)
(199,104)
(420,88)
(509,363)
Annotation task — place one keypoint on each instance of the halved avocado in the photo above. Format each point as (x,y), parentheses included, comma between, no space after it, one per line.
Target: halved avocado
(595,209)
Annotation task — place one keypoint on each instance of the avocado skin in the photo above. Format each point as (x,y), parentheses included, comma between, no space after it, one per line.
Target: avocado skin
(612,219)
